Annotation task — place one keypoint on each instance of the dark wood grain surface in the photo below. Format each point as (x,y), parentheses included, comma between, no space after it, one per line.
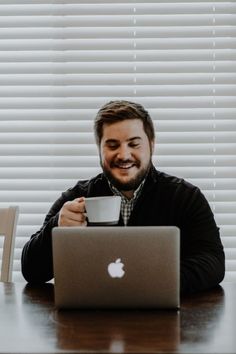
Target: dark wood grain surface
(29,323)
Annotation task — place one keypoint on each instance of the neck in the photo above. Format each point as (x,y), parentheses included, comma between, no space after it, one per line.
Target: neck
(128,194)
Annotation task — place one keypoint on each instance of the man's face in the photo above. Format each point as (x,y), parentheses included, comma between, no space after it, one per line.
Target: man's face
(125,154)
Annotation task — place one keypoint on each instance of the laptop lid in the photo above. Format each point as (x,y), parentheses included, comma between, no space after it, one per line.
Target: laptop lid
(116,267)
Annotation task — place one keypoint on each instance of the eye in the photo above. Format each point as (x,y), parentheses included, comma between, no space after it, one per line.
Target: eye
(134,145)
(112,146)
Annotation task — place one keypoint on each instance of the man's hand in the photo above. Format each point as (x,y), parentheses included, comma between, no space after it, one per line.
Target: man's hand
(73,213)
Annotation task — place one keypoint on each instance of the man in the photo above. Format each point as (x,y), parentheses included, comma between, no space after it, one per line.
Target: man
(125,137)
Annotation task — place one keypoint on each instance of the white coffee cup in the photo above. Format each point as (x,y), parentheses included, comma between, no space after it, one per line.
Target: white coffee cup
(103,210)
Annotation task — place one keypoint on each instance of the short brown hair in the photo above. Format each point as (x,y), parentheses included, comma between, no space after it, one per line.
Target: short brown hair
(116,111)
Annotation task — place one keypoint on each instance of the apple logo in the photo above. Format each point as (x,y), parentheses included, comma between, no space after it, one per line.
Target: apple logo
(115,269)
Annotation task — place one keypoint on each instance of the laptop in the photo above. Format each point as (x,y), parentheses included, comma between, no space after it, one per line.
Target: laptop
(111,267)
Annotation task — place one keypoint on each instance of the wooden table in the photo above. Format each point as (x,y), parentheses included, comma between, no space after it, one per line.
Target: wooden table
(29,323)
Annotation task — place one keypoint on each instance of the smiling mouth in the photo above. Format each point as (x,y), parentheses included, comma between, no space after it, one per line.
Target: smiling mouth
(124,166)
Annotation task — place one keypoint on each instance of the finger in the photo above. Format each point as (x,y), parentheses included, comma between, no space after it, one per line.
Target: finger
(80,204)
(70,222)
(75,216)
(75,206)
(80,199)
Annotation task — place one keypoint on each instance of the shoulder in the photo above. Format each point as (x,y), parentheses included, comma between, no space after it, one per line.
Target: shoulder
(173,188)
(183,195)
(173,182)
(88,188)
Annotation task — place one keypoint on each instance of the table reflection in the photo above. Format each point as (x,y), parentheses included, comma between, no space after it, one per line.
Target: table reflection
(196,327)
(117,331)
(114,331)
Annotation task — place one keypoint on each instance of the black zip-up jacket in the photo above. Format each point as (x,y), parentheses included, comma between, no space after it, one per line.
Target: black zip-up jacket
(164,200)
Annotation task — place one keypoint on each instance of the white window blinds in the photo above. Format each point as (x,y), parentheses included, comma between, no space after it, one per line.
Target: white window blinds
(61,60)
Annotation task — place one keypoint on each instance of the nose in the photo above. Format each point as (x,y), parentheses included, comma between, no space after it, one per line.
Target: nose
(124,152)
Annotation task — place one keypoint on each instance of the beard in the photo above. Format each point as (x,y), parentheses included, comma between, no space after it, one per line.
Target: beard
(133,183)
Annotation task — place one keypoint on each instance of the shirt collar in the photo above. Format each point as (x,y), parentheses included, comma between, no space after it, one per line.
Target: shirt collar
(136,192)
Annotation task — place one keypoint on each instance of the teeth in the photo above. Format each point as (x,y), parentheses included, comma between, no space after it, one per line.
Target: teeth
(125,166)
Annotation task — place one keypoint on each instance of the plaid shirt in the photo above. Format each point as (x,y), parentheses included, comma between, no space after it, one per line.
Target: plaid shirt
(127,205)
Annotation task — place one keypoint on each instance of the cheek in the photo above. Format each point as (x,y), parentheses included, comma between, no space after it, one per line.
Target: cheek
(105,157)
(145,156)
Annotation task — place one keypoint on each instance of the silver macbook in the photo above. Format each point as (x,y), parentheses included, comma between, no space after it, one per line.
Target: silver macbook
(116,267)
